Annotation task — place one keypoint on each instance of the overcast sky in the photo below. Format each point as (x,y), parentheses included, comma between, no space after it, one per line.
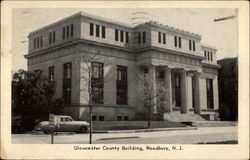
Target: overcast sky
(221,35)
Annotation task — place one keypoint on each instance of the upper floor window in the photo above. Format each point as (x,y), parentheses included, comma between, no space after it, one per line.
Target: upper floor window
(164,38)
(208,55)
(71,30)
(116,34)
(34,43)
(205,54)
(67,70)
(51,73)
(37,42)
(54,36)
(41,41)
(144,37)
(211,56)
(190,45)
(97,31)
(159,37)
(103,32)
(175,41)
(121,36)
(139,37)
(50,37)
(63,33)
(91,29)
(193,45)
(67,31)
(127,37)
(179,42)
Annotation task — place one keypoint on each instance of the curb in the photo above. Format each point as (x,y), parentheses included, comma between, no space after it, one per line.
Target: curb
(145,130)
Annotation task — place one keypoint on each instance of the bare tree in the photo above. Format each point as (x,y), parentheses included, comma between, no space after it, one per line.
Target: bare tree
(92,79)
(148,91)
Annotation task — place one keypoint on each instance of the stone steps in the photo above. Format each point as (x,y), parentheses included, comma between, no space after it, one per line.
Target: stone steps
(178,117)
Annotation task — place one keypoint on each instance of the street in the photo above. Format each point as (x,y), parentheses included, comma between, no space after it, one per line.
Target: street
(201,135)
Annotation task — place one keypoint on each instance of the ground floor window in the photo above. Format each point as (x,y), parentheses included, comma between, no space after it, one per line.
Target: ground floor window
(177,90)
(121,85)
(210,100)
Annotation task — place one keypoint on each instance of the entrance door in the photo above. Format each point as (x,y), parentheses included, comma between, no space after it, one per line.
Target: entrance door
(210,99)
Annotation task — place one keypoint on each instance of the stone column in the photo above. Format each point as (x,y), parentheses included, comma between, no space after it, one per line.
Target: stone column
(197,97)
(168,94)
(184,92)
(151,70)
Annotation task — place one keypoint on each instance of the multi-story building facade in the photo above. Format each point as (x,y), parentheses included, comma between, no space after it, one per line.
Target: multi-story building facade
(174,56)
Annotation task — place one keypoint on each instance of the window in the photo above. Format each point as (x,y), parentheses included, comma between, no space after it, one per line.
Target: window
(193,45)
(144,37)
(209,86)
(67,73)
(71,30)
(208,55)
(101,118)
(179,42)
(175,41)
(119,118)
(125,118)
(91,29)
(94,118)
(67,31)
(34,43)
(159,37)
(103,32)
(164,38)
(211,56)
(161,75)
(116,35)
(97,82)
(41,41)
(50,37)
(121,36)
(37,42)
(139,37)
(51,73)
(127,37)
(54,36)
(63,33)
(97,29)
(177,90)
(121,85)
(205,54)
(190,45)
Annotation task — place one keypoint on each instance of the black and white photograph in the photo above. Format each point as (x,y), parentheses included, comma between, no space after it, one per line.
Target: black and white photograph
(124,79)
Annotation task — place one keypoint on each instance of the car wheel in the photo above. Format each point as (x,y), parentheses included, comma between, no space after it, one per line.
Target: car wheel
(83,129)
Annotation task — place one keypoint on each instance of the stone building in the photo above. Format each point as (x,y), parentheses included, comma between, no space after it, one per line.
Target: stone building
(174,56)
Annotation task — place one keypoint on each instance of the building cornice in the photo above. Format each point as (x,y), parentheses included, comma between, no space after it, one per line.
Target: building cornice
(211,65)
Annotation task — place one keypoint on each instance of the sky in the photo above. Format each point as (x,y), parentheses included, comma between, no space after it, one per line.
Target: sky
(222,35)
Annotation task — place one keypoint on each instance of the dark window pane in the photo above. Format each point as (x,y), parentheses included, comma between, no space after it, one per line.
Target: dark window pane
(54,36)
(121,36)
(127,37)
(116,35)
(211,56)
(193,45)
(91,29)
(63,33)
(161,75)
(159,37)
(103,32)
(94,118)
(205,54)
(67,72)
(97,31)
(71,30)
(143,37)
(119,118)
(34,43)
(139,37)
(179,42)
(164,38)
(101,118)
(67,31)
(208,55)
(175,41)
(41,41)
(37,42)
(190,45)
(121,85)
(125,118)
(209,86)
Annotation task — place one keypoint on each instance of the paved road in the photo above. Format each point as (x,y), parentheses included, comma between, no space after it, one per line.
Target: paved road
(209,134)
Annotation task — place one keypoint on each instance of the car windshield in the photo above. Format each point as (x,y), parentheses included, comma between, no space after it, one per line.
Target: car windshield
(68,119)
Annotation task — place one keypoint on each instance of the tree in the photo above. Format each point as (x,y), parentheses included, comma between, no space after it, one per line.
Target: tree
(33,96)
(148,91)
(93,80)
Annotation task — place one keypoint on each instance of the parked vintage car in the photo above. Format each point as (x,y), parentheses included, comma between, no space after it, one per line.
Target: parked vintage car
(63,124)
